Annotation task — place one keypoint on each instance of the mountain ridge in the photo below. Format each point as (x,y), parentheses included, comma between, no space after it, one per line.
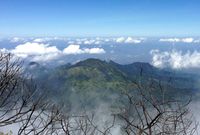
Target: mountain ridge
(91,80)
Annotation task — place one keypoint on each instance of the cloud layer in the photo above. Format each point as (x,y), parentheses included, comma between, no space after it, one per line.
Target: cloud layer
(103,40)
(128,40)
(43,52)
(24,50)
(176,40)
(175,59)
(75,49)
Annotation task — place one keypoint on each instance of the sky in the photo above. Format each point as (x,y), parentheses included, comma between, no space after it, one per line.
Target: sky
(99,17)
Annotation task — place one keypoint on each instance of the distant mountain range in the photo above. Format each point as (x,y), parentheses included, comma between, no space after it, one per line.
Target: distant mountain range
(90,81)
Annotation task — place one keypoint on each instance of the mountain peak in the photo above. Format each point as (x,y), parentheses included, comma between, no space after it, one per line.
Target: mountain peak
(92,62)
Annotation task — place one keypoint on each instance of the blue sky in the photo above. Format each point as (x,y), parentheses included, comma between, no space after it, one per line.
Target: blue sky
(99,17)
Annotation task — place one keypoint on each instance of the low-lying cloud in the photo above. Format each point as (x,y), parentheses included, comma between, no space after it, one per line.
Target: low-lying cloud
(175,59)
(44,52)
(81,41)
(176,40)
(17,39)
(75,49)
(87,41)
(24,50)
(128,40)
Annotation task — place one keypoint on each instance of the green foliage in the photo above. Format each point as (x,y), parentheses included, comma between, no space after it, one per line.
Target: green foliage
(92,80)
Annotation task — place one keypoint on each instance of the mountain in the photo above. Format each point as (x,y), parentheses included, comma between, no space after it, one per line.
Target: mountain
(90,81)
(144,70)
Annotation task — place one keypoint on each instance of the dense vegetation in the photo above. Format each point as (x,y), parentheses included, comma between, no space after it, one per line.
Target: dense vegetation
(89,82)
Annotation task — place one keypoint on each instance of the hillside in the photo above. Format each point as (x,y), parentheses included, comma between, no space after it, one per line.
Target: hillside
(93,80)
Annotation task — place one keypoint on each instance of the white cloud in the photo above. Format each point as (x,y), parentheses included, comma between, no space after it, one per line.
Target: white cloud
(94,50)
(120,39)
(131,40)
(71,42)
(86,41)
(39,40)
(97,42)
(89,42)
(107,40)
(46,39)
(175,59)
(45,52)
(170,40)
(75,49)
(128,40)
(92,41)
(173,40)
(188,40)
(16,39)
(35,50)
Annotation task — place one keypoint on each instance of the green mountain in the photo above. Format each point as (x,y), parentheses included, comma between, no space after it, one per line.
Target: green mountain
(87,82)
(93,80)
